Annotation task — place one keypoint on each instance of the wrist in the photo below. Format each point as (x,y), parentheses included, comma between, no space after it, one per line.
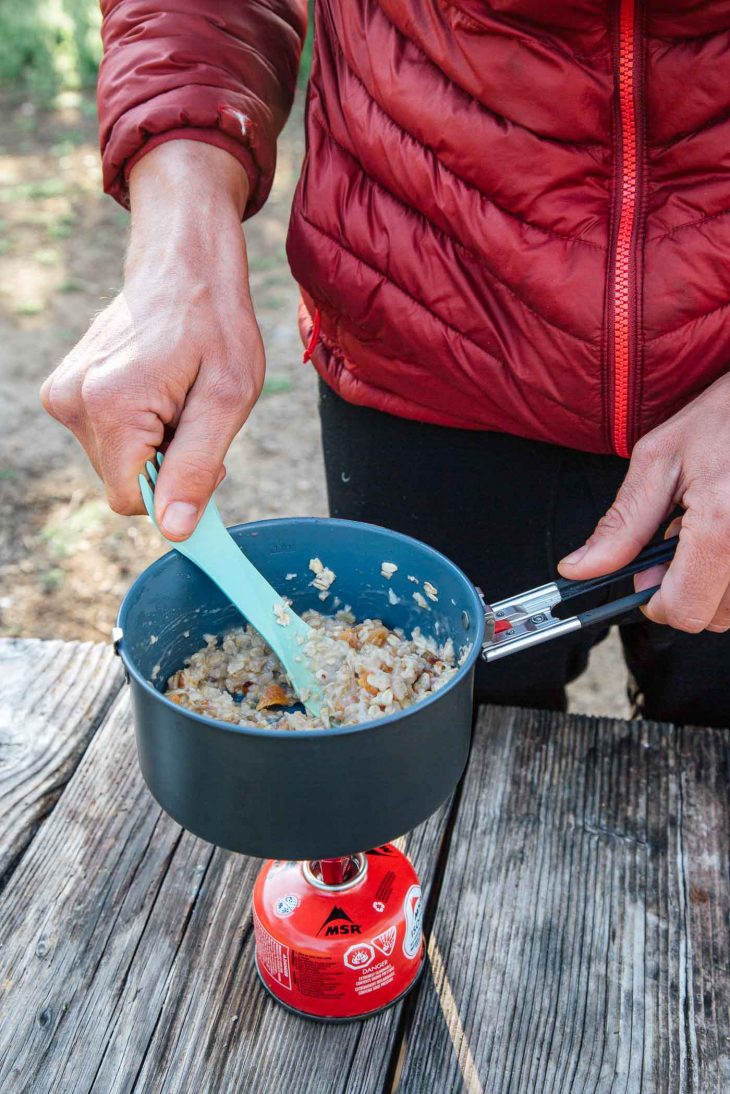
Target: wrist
(187,199)
(181,171)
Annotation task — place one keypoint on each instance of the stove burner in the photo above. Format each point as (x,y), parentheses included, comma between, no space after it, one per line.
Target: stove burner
(351,869)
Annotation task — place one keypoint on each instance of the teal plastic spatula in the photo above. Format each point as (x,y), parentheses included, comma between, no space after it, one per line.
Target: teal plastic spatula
(217,554)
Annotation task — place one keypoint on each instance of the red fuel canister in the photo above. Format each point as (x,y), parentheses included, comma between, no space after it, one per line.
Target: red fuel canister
(342,939)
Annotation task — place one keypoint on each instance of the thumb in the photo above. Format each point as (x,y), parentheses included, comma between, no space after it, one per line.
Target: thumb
(645,498)
(193,464)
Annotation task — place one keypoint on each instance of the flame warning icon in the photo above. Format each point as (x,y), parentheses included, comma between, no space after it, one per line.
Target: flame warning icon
(385,942)
(359,956)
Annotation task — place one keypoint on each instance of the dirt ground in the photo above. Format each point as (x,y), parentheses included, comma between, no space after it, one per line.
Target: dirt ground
(65,558)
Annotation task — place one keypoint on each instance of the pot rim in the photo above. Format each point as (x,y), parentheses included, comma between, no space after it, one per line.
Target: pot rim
(307,734)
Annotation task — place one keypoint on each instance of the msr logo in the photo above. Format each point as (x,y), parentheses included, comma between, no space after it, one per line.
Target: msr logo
(338,922)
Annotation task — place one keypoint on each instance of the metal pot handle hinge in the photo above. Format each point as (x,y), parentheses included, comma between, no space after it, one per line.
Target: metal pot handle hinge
(527,619)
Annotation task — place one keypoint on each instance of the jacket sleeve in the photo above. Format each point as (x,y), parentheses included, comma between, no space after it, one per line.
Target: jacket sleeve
(222,73)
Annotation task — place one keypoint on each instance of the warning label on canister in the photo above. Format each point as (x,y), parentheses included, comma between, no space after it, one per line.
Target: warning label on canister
(359,956)
(272,955)
(413,912)
(385,942)
(316,977)
(375,977)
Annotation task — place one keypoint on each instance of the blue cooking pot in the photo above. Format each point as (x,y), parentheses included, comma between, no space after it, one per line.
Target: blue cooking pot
(313,793)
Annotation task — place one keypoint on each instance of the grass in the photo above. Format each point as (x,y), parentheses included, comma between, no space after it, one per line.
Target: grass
(276,385)
(69,285)
(52,579)
(275,301)
(64,536)
(62,228)
(72,139)
(29,307)
(47,256)
(38,190)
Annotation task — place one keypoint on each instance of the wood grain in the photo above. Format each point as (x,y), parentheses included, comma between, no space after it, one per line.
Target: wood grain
(581,939)
(53,695)
(126,956)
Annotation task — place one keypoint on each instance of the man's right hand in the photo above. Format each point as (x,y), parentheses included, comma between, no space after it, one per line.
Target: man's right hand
(176,359)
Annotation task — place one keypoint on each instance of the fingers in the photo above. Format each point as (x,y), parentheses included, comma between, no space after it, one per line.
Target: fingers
(91,393)
(647,579)
(654,575)
(122,448)
(60,396)
(217,406)
(175,362)
(673,528)
(126,397)
(644,500)
(721,620)
(119,432)
(660,606)
(683,461)
(694,592)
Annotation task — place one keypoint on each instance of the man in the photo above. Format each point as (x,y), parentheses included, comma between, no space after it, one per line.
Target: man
(513,241)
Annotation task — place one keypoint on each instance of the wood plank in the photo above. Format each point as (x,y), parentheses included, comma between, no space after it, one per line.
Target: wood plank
(126,955)
(581,939)
(53,696)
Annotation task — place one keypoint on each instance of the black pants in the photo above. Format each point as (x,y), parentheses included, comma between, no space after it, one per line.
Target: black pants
(506,510)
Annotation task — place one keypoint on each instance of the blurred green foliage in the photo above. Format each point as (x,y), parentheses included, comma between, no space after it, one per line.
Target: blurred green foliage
(48,46)
(306,63)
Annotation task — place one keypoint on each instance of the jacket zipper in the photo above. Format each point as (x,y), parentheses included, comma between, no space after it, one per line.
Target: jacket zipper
(623,293)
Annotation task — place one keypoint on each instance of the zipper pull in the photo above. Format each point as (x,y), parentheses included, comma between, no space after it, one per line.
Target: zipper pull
(313,338)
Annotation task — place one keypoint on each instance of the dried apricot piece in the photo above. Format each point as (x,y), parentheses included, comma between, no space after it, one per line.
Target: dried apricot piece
(377,636)
(363,680)
(273,696)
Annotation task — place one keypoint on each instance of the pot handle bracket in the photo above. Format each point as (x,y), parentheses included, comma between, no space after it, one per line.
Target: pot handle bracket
(117,636)
(527,619)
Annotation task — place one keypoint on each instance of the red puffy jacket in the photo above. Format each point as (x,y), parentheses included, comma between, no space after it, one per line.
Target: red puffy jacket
(511,216)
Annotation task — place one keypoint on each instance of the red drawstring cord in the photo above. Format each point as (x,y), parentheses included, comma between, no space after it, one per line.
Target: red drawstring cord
(313,338)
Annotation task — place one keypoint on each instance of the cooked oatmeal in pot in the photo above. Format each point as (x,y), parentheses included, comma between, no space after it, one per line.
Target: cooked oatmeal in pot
(377,671)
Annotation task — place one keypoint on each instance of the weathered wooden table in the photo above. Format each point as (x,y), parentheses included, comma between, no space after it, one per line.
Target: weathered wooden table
(577,916)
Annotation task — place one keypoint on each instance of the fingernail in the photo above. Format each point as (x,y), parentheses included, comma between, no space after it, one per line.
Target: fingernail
(179,518)
(576,556)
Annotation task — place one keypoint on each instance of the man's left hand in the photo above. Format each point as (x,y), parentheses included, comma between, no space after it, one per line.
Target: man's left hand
(685,462)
